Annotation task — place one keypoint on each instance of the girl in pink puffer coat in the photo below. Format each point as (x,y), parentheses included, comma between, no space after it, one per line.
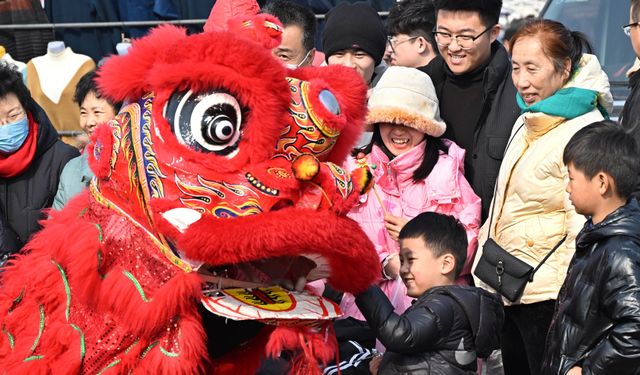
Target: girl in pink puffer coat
(414,171)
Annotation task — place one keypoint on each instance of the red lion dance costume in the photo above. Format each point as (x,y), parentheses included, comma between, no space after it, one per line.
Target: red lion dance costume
(222,157)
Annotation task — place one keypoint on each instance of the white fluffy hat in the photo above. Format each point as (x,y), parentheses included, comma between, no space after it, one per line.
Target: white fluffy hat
(406,96)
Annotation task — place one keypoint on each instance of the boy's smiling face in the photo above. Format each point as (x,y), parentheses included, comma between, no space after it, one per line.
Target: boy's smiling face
(421,270)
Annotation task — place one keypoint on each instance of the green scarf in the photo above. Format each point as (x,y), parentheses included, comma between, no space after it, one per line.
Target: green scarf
(569,103)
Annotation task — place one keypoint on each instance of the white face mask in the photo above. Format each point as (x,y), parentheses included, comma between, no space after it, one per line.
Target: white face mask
(296,66)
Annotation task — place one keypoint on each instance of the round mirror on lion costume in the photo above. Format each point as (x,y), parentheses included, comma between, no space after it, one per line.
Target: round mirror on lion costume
(215,183)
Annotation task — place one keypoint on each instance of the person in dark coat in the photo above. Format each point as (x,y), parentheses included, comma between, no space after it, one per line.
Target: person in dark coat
(596,324)
(472,77)
(31,160)
(630,115)
(448,327)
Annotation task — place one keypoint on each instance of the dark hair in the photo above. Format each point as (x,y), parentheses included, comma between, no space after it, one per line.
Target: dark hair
(292,14)
(441,234)
(88,84)
(432,148)
(489,10)
(558,42)
(514,26)
(11,82)
(605,147)
(413,18)
(635,10)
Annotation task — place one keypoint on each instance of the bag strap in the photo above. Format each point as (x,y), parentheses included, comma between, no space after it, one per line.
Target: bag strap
(495,187)
(493,207)
(546,257)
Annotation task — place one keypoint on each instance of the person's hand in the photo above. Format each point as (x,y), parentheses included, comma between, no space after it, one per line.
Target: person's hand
(575,371)
(394,225)
(392,268)
(374,365)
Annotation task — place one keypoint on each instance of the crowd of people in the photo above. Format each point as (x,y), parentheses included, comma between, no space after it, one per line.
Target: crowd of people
(490,166)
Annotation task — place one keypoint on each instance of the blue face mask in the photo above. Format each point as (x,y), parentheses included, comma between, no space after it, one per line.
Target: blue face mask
(12,135)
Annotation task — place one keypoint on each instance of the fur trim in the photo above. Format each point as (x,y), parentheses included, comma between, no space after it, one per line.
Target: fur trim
(217,242)
(100,159)
(246,70)
(308,345)
(224,10)
(401,116)
(123,77)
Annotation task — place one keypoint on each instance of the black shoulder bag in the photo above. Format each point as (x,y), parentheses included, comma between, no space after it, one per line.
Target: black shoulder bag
(502,271)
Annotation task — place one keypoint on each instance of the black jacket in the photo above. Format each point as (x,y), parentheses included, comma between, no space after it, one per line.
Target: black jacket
(630,116)
(499,113)
(443,332)
(596,324)
(23,197)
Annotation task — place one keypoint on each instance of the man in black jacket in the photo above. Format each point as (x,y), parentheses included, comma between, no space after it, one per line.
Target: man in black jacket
(31,160)
(596,325)
(472,77)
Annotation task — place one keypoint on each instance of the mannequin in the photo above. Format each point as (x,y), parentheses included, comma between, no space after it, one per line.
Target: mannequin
(52,79)
(6,57)
(123,47)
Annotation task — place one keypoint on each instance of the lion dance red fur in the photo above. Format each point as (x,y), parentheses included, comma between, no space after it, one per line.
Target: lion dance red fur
(221,157)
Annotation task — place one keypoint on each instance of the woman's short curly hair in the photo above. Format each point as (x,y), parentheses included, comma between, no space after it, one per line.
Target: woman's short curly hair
(11,83)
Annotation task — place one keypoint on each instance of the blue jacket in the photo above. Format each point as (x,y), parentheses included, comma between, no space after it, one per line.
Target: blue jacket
(75,177)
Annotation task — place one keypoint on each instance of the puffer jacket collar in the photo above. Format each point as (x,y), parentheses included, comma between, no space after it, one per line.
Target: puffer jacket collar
(47,134)
(394,176)
(624,221)
(589,75)
(483,310)
(539,124)
(397,172)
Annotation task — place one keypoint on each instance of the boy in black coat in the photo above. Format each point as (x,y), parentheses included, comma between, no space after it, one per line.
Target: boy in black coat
(448,327)
(596,325)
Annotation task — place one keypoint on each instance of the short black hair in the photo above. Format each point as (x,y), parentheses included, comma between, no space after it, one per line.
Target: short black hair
(635,10)
(292,14)
(413,18)
(515,25)
(11,83)
(441,234)
(489,10)
(88,84)
(604,146)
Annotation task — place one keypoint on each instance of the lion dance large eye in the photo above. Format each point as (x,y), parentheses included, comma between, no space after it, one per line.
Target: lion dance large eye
(208,122)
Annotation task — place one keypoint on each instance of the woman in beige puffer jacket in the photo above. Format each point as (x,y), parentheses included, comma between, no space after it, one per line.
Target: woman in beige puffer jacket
(531,211)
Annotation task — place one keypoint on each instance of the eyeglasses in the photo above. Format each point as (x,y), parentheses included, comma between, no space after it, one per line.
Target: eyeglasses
(12,117)
(393,43)
(465,42)
(627,28)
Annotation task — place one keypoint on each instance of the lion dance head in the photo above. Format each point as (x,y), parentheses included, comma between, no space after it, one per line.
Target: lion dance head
(221,172)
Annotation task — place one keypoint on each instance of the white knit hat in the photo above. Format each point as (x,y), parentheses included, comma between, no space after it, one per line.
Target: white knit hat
(406,96)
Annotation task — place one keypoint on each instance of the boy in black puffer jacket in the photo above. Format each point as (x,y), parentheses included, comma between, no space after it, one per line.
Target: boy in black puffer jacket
(448,327)
(596,325)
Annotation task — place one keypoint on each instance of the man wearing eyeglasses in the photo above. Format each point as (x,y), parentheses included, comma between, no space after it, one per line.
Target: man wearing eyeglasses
(630,115)
(472,77)
(411,42)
